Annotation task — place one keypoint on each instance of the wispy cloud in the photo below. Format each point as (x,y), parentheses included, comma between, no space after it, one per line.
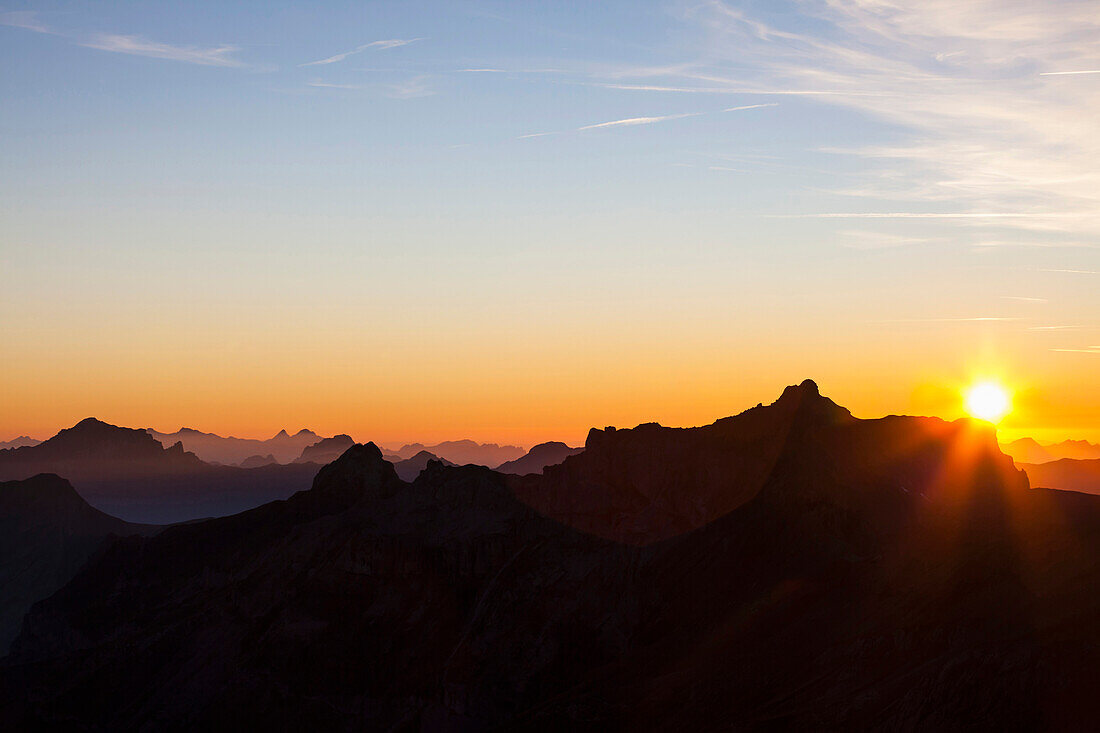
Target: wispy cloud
(130,44)
(1024,299)
(409,89)
(978,319)
(329,85)
(381,45)
(630,121)
(858,239)
(982,133)
(1074,272)
(633,121)
(27,19)
(1086,350)
(138,46)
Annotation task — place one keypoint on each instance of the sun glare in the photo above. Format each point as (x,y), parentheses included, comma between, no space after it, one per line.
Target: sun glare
(988,401)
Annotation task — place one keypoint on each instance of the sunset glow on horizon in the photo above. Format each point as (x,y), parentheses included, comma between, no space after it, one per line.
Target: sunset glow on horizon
(434,221)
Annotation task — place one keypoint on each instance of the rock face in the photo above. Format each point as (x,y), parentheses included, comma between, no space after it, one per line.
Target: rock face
(231,451)
(127,473)
(1066,474)
(832,573)
(47,532)
(326,450)
(465,452)
(410,468)
(538,458)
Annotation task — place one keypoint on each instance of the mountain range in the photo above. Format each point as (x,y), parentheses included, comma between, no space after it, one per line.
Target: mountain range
(1028,450)
(791,568)
(463,452)
(231,451)
(129,474)
(21,441)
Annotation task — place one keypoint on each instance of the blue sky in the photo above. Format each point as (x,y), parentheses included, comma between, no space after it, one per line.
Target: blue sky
(801,179)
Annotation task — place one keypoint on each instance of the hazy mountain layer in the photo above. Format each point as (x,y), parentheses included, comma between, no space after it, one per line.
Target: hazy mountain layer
(129,474)
(538,458)
(1067,474)
(21,441)
(464,452)
(233,451)
(1027,450)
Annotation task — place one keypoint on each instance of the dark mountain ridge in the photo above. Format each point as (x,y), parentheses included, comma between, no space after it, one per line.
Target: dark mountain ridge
(894,574)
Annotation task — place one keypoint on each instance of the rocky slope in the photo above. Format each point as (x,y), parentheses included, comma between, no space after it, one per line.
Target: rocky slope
(47,532)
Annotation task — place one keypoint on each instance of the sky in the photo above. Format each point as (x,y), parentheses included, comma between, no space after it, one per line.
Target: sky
(515,221)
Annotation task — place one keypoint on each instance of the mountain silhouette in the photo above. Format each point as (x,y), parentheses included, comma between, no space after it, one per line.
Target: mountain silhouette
(816,571)
(538,458)
(47,532)
(1027,450)
(464,452)
(257,461)
(628,485)
(326,450)
(20,442)
(1067,474)
(231,451)
(128,474)
(409,468)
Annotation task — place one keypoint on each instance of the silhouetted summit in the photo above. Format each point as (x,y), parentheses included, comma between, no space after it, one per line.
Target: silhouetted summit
(325,450)
(538,458)
(410,468)
(651,482)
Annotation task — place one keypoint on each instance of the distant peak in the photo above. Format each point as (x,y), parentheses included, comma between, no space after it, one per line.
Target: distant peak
(282,434)
(301,432)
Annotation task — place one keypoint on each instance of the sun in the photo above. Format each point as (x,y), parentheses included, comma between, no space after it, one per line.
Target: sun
(988,401)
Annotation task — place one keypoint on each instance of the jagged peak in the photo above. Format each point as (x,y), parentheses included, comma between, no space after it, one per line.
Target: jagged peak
(359,472)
